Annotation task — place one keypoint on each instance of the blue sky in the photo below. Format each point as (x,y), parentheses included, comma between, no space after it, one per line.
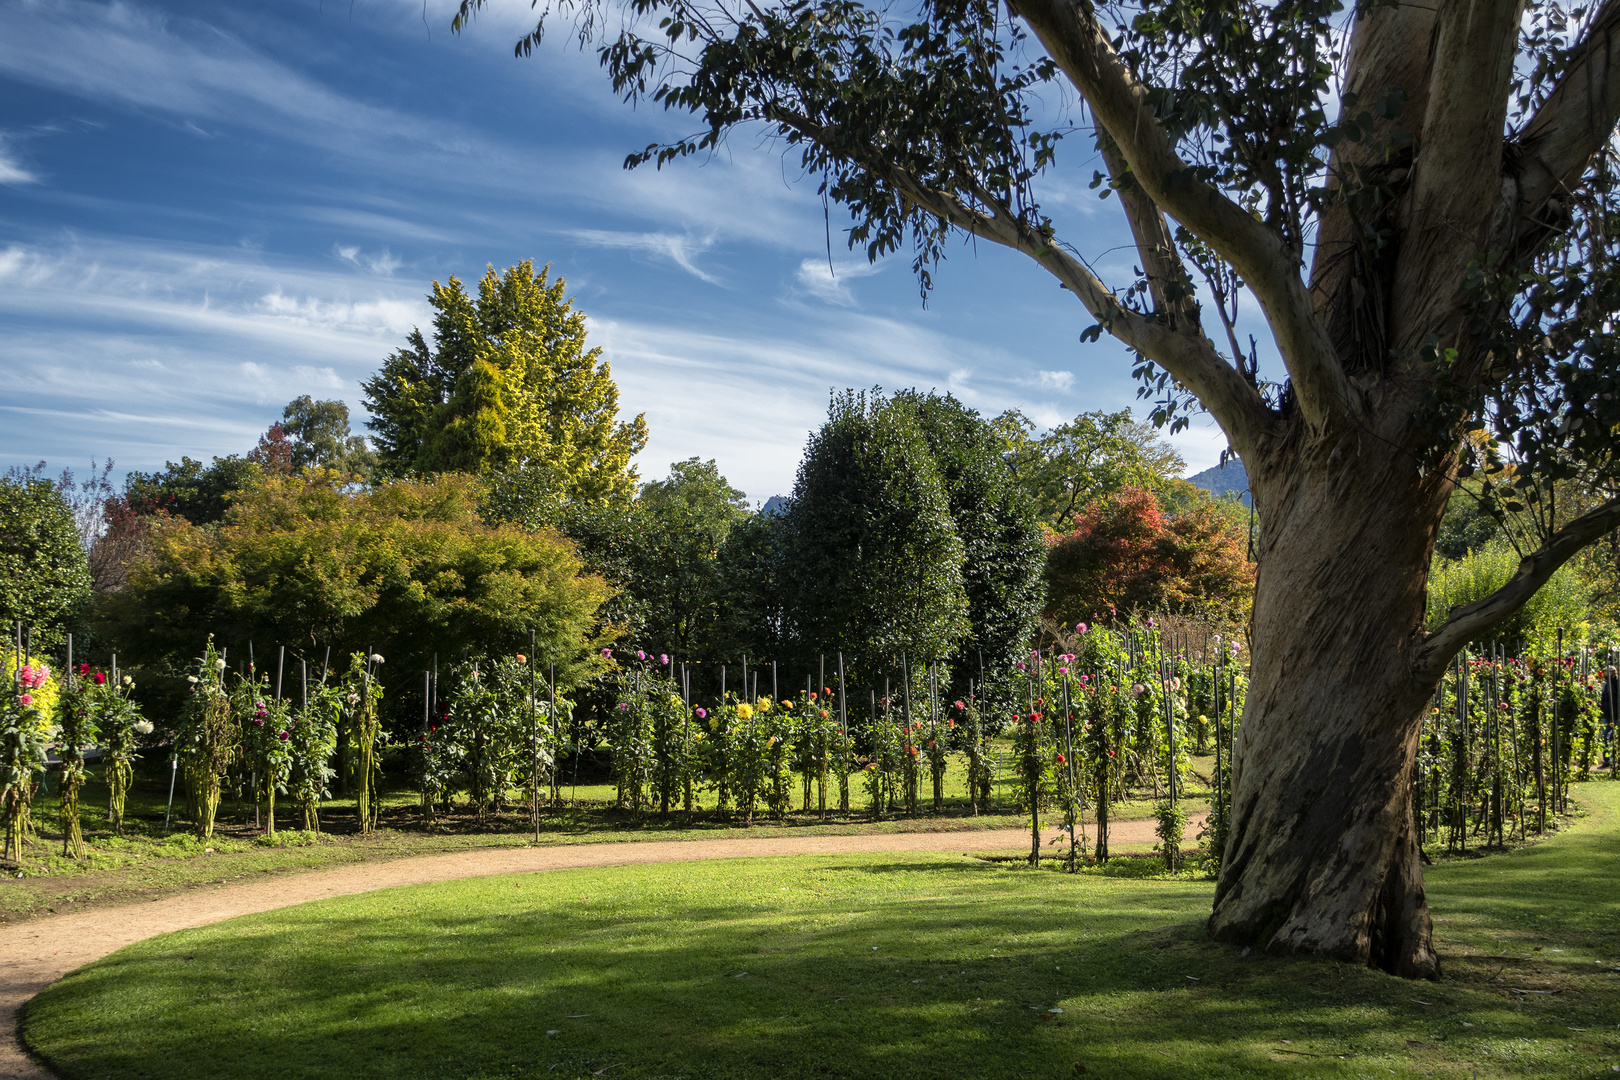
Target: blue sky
(209,208)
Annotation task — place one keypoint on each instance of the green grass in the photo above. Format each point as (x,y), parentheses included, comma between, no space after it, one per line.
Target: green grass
(855,966)
(146,862)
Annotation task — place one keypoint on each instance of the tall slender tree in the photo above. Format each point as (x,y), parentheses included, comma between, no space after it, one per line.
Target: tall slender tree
(1003,555)
(1419,200)
(871,561)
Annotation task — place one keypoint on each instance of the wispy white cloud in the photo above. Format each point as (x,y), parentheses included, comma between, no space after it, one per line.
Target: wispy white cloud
(12,171)
(669,247)
(202,344)
(383,263)
(1054,380)
(181,67)
(829,281)
(750,396)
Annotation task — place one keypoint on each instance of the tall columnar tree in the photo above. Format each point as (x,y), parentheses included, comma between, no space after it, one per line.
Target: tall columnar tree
(1002,552)
(507,384)
(1418,200)
(44,574)
(870,558)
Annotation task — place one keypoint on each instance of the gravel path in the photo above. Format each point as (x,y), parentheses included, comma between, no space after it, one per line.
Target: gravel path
(36,953)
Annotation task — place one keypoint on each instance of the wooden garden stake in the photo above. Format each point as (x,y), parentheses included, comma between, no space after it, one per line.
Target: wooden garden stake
(534,743)
(556,735)
(843,741)
(1553,733)
(910,761)
(1068,762)
(1032,763)
(686,740)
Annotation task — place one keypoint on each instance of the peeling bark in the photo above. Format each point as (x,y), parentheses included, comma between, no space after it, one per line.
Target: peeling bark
(1322,856)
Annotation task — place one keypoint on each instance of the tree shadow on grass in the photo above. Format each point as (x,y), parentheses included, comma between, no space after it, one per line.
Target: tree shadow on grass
(891,967)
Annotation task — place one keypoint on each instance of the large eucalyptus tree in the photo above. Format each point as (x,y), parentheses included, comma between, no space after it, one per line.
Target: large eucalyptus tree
(1418,196)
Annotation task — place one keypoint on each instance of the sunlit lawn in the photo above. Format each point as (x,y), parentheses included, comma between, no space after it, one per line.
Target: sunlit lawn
(855,966)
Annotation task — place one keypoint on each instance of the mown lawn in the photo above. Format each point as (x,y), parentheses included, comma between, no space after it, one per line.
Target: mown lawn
(855,966)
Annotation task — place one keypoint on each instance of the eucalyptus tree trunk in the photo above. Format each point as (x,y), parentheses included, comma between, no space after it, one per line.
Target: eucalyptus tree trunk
(1323,855)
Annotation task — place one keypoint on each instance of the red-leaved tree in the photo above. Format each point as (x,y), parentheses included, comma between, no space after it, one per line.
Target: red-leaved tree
(1127,554)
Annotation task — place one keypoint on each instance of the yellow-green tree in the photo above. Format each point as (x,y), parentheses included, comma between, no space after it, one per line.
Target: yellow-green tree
(508,384)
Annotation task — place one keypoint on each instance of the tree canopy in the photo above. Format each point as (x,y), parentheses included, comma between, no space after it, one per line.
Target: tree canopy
(320,437)
(43,565)
(870,557)
(407,568)
(199,493)
(1125,555)
(995,519)
(1094,455)
(507,384)
(662,555)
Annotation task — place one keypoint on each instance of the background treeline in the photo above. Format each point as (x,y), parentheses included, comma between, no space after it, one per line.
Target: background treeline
(496,495)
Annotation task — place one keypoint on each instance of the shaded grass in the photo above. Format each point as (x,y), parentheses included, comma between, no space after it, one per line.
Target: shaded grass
(854,966)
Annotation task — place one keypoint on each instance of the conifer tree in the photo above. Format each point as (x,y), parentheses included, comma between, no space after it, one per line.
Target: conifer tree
(507,385)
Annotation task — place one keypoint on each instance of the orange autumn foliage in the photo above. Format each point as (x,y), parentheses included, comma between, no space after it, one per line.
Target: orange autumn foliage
(1126,554)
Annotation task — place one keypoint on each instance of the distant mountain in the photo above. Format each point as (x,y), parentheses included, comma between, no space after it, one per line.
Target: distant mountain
(1221,479)
(776,504)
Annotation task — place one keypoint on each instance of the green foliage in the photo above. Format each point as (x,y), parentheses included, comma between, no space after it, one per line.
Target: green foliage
(407,567)
(210,739)
(1172,825)
(320,437)
(1559,604)
(1467,525)
(872,562)
(79,730)
(685,520)
(362,690)
(663,554)
(495,733)
(27,725)
(750,588)
(1003,556)
(122,729)
(44,574)
(199,493)
(266,733)
(311,742)
(508,384)
(1091,457)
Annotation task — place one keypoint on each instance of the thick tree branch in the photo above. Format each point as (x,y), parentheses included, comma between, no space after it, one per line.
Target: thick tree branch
(1080,45)
(1469,621)
(1572,125)
(1457,178)
(1350,276)
(1184,351)
(1168,280)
